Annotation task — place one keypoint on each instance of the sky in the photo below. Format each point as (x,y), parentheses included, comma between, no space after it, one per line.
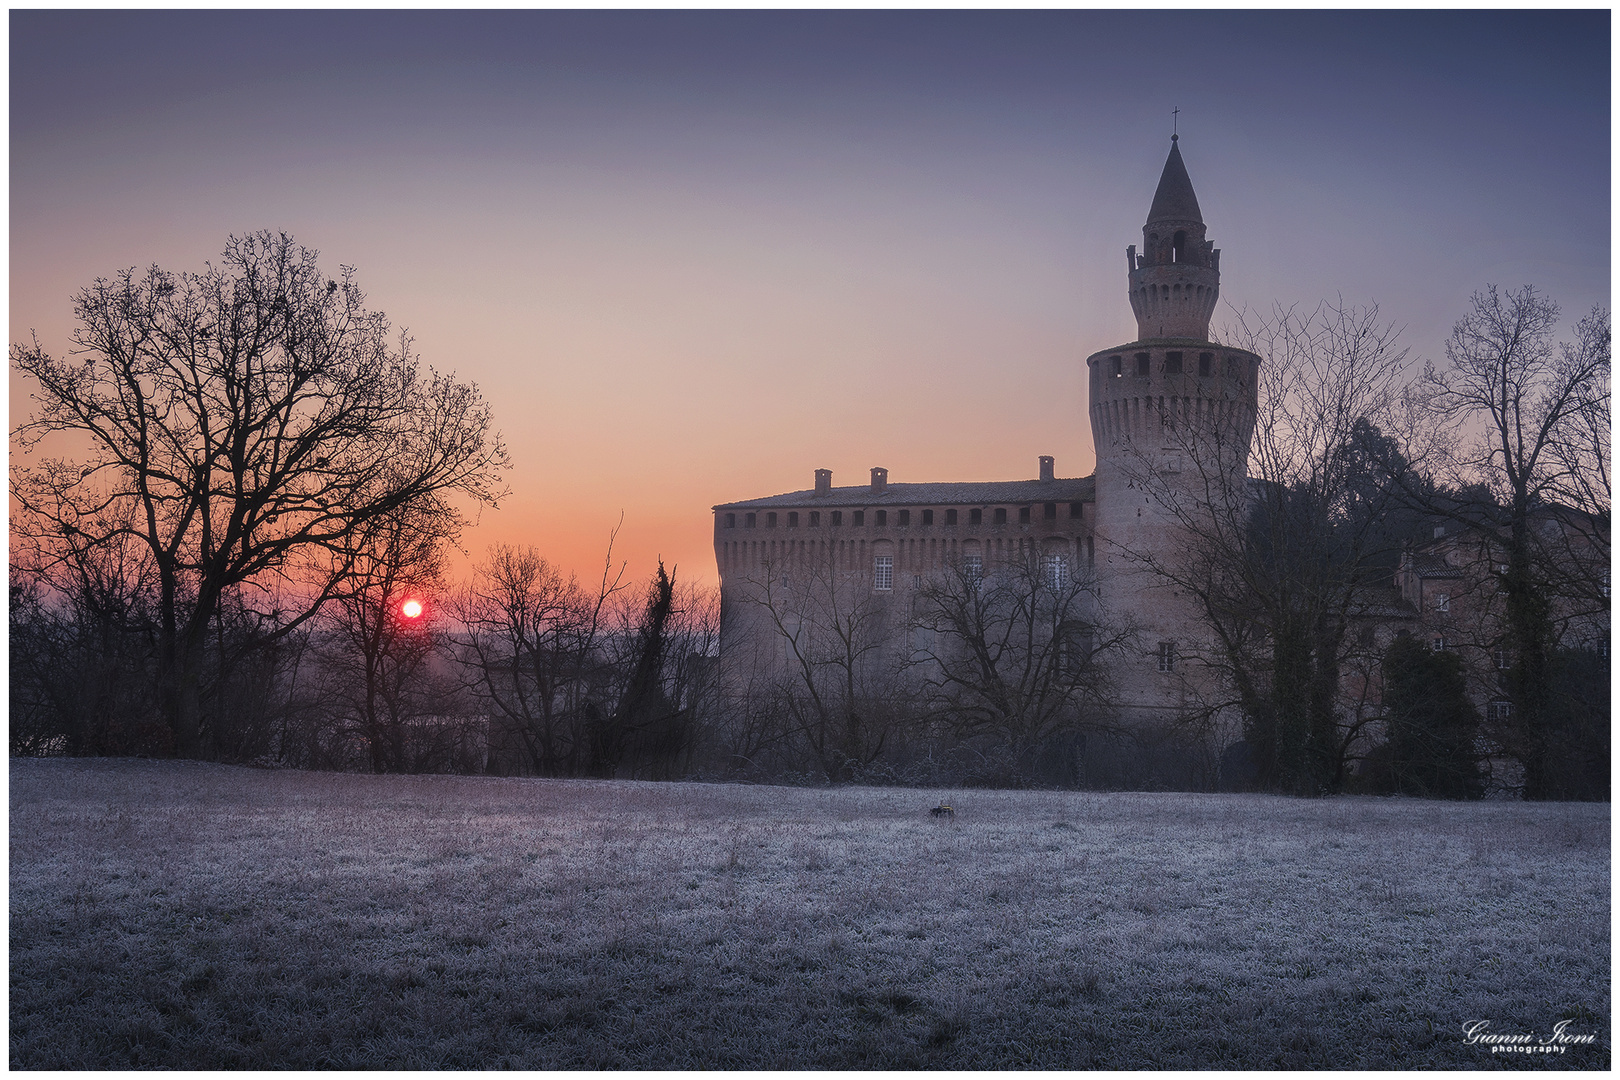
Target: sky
(691,257)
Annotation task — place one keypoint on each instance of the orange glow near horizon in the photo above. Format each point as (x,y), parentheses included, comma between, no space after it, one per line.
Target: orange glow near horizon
(692,257)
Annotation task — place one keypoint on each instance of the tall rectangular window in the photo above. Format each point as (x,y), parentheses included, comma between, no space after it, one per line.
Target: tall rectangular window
(1076,509)
(815,518)
(1438,644)
(976,516)
(793,519)
(1205,362)
(928,517)
(837,518)
(883,573)
(1023,515)
(1442,601)
(1001,515)
(748,521)
(950,517)
(1172,363)
(770,520)
(731,521)
(1142,365)
(973,568)
(1049,511)
(860,517)
(882,517)
(1114,366)
(905,517)
(1057,571)
(1167,656)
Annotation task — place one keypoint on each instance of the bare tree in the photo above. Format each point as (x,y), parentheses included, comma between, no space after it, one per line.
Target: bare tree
(835,679)
(1281,559)
(378,655)
(236,423)
(530,644)
(1014,653)
(1534,418)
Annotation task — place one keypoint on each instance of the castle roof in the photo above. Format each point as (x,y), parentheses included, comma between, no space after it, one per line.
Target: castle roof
(1175,201)
(969,493)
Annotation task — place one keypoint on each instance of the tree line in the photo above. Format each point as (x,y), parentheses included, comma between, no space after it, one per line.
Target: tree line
(229,487)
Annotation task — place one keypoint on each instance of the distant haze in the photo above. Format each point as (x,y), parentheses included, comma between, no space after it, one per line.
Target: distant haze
(692,257)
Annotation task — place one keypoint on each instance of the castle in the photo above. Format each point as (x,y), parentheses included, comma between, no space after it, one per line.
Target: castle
(1170,412)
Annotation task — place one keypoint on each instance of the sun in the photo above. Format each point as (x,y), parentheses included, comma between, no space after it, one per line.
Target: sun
(411,609)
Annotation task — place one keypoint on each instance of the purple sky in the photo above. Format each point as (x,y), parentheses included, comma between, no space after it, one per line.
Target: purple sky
(692,257)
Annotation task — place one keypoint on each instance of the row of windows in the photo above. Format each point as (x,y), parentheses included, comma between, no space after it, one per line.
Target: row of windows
(1057,571)
(1173,364)
(1049,512)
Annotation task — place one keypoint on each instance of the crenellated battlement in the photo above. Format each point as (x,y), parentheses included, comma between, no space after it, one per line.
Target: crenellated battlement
(1192,388)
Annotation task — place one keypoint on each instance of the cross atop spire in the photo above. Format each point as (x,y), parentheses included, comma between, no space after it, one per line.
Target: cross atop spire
(1175,117)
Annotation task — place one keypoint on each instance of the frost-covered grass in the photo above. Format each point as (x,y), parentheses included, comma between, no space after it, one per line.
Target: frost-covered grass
(199,916)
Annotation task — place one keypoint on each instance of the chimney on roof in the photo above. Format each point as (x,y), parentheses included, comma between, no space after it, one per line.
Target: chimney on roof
(1047,472)
(880,480)
(823,481)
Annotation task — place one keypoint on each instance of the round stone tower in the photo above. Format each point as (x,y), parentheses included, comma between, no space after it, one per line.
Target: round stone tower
(1172,414)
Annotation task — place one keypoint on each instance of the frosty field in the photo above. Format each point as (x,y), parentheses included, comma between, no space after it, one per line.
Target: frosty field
(202,916)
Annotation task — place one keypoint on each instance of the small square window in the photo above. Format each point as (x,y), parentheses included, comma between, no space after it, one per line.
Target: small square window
(860,517)
(905,517)
(837,518)
(748,521)
(883,573)
(950,517)
(1500,710)
(731,521)
(1049,511)
(883,517)
(976,516)
(1438,644)
(815,518)
(928,517)
(793,519)
(1001,515)
(1023,515)
(1172,363)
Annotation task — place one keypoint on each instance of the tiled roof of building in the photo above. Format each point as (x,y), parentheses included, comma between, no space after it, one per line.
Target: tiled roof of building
(1433,566)
(1390,606)
(970,493)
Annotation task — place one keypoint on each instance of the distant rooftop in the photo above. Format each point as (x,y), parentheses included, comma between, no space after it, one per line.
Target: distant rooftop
(988,493)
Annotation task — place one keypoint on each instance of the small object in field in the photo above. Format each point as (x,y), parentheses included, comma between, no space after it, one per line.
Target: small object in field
(943,811)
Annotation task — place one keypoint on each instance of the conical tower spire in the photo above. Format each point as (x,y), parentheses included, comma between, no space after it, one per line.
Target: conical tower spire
(1175,200)
(1177,278)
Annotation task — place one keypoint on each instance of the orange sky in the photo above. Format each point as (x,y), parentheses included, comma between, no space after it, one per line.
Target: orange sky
(693,257)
